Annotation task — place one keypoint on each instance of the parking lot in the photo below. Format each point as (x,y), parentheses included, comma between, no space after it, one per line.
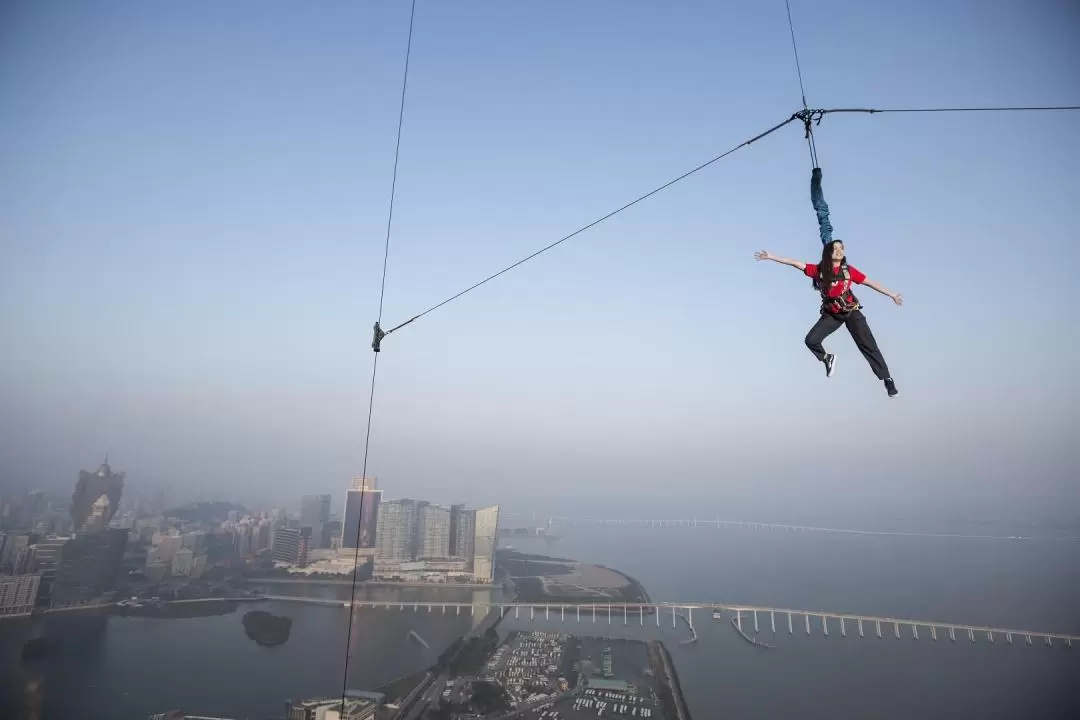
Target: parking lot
(529,665)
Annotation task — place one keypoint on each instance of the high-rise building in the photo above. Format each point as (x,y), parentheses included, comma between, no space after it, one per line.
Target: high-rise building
(89,567)
(434,532)
(14,545)
(193,540)
(487,537)
(99,513)
(260,537)
(44,557)
(462,533)
(362,502)
(331,535)
(103,487)
(291,545)
(25,560)
(397,530)
(287,545)
(315,513)
(18,594)
(305,546)
(167,544)
(182,562)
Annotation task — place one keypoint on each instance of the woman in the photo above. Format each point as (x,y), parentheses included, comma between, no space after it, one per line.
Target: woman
(833,278)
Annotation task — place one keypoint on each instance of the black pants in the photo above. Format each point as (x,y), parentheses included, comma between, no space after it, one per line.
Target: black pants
(856,323)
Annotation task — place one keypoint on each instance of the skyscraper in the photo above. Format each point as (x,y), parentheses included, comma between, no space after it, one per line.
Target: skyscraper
(287,545)
(291,545)
(434,532)
(182,562)
(99,512)
(88,567)
(25,560)
(315,513)
(397,530)
(462,533)
(44,557)
(487,536)
(103,487)
(362,503)
(18,593)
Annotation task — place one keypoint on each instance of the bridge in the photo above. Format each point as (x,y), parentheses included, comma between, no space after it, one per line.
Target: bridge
(783,527)
(808,620)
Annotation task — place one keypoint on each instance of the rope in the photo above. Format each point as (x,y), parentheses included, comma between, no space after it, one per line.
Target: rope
(375,362)
(810,144)
(873,111)
(795,49)
(397,154)
(594,223)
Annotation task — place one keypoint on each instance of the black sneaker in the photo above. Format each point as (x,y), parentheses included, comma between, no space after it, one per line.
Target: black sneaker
(830,364)
(890,386)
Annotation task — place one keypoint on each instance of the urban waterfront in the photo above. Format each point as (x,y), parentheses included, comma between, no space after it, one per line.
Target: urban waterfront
(114,667)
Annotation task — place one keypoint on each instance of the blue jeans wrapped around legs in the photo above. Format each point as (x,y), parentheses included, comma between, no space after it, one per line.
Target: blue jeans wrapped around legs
(817,197)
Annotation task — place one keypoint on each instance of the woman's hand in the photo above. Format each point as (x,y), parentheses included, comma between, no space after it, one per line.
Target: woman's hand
(897,298)
(762,255)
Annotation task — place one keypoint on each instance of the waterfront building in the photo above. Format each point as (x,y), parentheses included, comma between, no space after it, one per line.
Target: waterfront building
(18,593)
(360,525)
(292,545)
(398,525)
(315,513)
(88,567)
(434,532)
(486,539)
(462,533)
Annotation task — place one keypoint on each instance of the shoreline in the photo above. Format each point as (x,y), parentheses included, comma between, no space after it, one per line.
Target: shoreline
(632,591)
(671,694)
(368,583)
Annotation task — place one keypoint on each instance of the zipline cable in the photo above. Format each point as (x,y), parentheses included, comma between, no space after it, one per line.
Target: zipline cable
(874,111)
(795,49)
(801,115)
(375,362)
(802,88)
(583,228)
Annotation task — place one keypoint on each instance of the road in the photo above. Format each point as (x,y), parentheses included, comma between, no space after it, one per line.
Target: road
(429,692)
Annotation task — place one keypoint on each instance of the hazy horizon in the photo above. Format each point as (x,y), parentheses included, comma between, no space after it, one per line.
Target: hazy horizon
(193,207)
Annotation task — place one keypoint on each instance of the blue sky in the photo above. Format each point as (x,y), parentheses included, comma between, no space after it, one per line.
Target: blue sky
(193,204)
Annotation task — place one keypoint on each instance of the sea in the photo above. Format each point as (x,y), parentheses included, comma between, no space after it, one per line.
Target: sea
(114,667)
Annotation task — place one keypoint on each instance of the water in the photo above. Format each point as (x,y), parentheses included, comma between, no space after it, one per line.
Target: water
(128,667)
(1029,585)
(115,668)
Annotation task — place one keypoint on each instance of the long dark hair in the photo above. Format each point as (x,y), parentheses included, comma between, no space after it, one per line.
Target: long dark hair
(826,276)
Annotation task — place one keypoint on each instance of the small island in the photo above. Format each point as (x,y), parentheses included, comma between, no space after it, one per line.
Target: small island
(265,629)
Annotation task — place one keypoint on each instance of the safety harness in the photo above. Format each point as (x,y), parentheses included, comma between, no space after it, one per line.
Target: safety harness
(846,301)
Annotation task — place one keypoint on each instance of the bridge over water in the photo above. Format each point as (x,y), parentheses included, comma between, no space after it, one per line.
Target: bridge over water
(702,522)
(808,621)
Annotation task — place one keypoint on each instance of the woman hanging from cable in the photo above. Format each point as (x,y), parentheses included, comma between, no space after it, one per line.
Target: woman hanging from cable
(832,278)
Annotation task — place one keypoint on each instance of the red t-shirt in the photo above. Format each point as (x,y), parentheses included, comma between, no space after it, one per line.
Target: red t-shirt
(838,286)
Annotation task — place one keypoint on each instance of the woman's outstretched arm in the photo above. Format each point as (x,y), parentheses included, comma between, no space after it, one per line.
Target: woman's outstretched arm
(766,255)
(896,297)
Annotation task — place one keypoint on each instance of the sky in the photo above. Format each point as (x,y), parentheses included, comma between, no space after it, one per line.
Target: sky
(193,206)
